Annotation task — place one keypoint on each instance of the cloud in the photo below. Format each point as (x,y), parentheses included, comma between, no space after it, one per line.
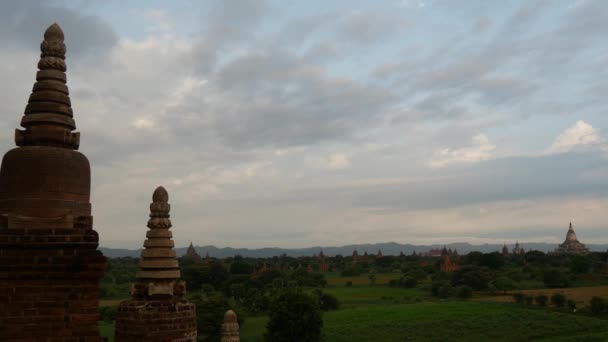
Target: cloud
(482,149)
(87,36)
(143,123)
(248,112)
(366,27)
(580,135)
(337,161)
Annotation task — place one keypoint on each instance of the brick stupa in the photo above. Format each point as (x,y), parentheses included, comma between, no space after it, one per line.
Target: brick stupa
(50,267)
(571,245)
(157,310)
(230,328)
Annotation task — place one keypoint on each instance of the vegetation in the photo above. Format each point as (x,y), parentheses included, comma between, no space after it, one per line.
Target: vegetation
(294,316)
(391,297)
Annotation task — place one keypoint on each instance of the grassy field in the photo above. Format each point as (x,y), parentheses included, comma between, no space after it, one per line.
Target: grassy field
(374,295)
(581,295)
(381,313)
(107,330)
(460,321)
(381,279)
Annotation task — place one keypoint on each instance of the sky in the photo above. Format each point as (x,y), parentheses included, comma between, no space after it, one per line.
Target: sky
(296,124)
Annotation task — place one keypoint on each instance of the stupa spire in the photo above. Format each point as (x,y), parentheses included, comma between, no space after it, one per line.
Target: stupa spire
(48,115)
(157,310)
(230,327)
(158,268)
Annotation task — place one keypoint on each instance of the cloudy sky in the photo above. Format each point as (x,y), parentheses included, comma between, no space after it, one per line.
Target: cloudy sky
(307,123)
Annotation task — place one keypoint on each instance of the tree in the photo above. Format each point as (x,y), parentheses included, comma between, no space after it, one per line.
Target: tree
(558,300)
(504,284)
(541,300)
(210,311)
(519,298)
(294,317)
(554,278)
(464,292)
(475,277)
(580,264)
(372,279)
(328,302)
(597,305)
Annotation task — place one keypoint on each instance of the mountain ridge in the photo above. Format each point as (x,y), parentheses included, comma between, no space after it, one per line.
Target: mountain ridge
(387,248)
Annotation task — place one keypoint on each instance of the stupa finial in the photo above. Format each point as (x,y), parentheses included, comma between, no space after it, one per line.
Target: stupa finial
(48,115)
(160,195)
(54,33)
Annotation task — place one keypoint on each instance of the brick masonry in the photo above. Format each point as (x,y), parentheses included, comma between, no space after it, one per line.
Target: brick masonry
(156,320)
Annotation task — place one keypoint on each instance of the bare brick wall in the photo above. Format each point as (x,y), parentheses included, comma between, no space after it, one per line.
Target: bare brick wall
(156,320)
(49,283)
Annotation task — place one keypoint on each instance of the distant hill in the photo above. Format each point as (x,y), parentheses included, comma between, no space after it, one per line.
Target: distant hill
(388,248)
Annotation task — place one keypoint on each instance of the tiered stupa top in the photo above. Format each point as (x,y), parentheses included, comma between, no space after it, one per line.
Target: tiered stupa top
(48,119)
(158,260)
(158,268)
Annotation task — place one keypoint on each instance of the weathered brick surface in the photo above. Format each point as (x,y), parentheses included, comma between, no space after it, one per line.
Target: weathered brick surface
(49,284)
(156,321)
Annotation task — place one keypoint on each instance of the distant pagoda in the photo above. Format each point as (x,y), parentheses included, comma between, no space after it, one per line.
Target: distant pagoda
(192,254)
(571,245)
(518,250)
(505,250)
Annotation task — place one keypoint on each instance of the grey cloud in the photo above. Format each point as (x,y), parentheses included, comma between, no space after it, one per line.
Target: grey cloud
(225,24)
(506,179)
(275,99)
(367,27)
(23,22)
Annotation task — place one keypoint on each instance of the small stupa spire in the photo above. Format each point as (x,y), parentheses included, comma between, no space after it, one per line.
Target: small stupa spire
(230,327)
(48,115)
(158,268)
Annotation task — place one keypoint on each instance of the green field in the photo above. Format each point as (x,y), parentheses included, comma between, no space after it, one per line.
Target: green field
(107,330)
(456,321)
(382,313)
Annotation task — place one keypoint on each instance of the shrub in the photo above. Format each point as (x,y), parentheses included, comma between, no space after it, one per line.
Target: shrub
(597,305)
(475,277)
(541,300)
(349,283)
(558,300)
(436,286)
(107,313)
(554,278)
(519,298)
(405,282)
(444,291)
(351,271)
(294,316)
(409,282)
(464,292)
(328,302)
(529,300)
(571,304)
(504,284)
(210,311)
